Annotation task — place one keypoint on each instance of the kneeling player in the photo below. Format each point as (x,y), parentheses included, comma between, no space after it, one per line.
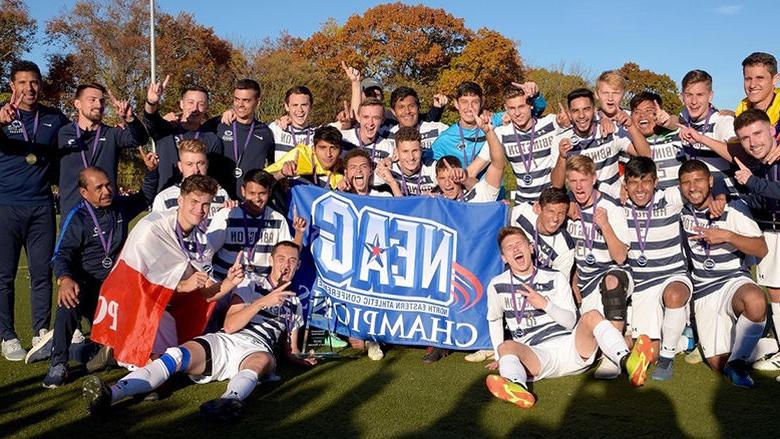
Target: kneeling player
(547,341)
(261,310)
(730,308)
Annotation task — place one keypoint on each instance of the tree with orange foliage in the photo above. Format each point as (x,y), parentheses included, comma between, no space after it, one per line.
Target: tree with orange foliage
(638,80)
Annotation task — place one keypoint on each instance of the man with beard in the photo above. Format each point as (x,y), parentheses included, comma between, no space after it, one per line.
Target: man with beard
(28,152)
(88,142)
(194,105)
(730,309)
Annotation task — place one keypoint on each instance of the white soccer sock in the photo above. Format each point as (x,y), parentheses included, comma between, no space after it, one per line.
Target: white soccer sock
(776,317)
(241,385)
(671,330)
(746,335)
(510,367)
(141,380)
(611,341)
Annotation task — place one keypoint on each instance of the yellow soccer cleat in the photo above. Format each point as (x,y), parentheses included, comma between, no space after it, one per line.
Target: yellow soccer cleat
(639,360)
(504,389)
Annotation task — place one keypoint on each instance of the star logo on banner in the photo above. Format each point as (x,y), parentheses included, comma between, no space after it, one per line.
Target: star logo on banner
(376,251)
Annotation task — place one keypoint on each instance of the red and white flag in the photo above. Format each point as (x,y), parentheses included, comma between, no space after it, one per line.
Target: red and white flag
(140,287)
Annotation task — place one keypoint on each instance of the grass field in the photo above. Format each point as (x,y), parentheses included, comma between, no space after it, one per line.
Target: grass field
(397,397)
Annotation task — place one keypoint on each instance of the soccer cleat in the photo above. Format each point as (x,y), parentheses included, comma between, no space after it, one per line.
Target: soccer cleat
(222,409)
(13,350)
(374,351)
(479,356)
(607,370)
(41,348)
(771,363)
(737,372)
(97,395)
(335,342)
(56,376)
(639,360)
(509,391)
(433,355)
(103,359)
(664,371)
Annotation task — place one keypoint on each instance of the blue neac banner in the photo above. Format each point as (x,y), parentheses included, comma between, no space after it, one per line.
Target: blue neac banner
(409,271)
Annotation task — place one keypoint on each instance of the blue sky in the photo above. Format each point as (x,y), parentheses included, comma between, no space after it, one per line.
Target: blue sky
(665,36)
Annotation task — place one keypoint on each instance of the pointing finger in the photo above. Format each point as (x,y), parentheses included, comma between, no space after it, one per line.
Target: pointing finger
(741,165)
(165,82)
(239,256)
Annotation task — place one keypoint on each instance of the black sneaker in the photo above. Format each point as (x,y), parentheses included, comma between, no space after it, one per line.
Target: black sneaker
(56,376)
(222,409)
(433,355)
(103,359)
(97,395)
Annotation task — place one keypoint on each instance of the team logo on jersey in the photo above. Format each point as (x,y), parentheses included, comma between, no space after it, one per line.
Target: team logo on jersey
(227,136)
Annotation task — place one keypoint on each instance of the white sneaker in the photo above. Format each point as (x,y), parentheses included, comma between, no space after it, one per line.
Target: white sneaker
(41,335)
(771,363)
(13,350)
(78,337)
(607,370)
(480,356)
(374,351)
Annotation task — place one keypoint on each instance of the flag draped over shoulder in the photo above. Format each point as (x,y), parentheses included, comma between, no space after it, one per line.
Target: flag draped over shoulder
(141,286)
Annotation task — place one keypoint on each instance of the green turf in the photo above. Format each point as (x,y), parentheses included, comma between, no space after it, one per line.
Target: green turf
(398,397)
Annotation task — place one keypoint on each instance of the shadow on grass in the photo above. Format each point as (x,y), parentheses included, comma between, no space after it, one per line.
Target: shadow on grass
(748,412)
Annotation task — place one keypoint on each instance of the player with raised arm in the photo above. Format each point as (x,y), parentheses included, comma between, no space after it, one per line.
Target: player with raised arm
(547,341)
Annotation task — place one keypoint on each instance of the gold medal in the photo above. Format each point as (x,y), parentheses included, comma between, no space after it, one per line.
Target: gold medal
(31,159)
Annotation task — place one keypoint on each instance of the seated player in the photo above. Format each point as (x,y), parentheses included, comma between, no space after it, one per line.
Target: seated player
(730,308)
(192,161)
(260,312)
(544,224)
(601,235)
(547,341)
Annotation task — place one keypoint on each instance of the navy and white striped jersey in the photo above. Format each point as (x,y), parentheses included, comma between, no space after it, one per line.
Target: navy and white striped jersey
(482,192)
(663,253)
(422,181)
(380,148)
(233,230)
(551,251)
(727,262)
(429,132)
(535,326)
(542,158)
(267,326)
(719,127)
(605,151)
(286,140)
(168,198)
(667,152)
(588,275)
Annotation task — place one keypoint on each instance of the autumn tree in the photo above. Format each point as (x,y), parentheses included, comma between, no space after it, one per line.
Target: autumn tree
(639,80)
(555,83)
(17,33)
(489,59)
